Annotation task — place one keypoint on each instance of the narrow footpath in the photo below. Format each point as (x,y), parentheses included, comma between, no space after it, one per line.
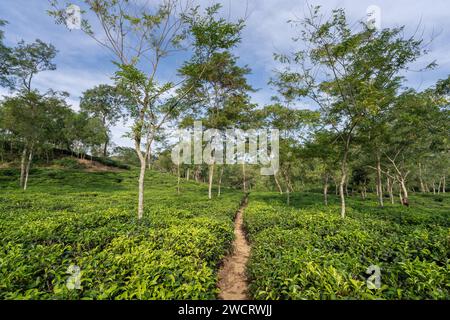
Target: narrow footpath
(233,283)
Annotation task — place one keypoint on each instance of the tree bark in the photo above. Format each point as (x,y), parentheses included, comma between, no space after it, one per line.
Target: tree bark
(390,187)
(288,190)
(325,190)
(187,174)
(405,200)
(422,186)
(342,183)
(290,185)
(341,193)
(346,186)
(288,195)
(220,181)
(141,188)
(196,174)
(379,183)
(27,170)
(178,179)
(244,178)
(22,166)
(105,148)
(443,184)
(211,173)
(277,183)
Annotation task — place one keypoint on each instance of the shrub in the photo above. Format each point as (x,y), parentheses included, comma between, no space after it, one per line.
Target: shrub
(69,163)
(307,251)
(88,220)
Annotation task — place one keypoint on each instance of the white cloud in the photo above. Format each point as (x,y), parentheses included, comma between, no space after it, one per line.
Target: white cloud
(73,81)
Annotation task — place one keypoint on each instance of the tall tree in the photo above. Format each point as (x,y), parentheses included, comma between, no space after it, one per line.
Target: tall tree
(217,85)
(140,36)
(418,127)
(106,103)
(35,119)
(295,126)
(25,61)
(4,57)
(346,73)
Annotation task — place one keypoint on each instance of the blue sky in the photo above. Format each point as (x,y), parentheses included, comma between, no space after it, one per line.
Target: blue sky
(82,64)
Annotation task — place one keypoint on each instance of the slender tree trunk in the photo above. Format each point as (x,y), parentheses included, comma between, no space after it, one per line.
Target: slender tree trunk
(244,178)
(141,188)
(422,186)
(178,179)
(443,184)
(211,174)
(187,174)
(220,180)
(105,148)
(288,190)
(325,190)
(196,174)
(22,166)
(290,185)
(143,161)
(390,187)
(439,187)
(405,200)
(346,186)
(278,183)
(391,195)
(342,183)
(288,195)
(342,195)
(27,170)
(379,183)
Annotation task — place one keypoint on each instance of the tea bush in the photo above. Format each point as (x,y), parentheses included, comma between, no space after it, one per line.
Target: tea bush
(69,163)
(306,251)
(89,220)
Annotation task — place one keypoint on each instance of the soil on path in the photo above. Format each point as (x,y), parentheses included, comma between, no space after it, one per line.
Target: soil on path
(232,278)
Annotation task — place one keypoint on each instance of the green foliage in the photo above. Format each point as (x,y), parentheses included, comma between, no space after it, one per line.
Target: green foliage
(210,32)
(27,60)
(307,251)
(87,219)
(4,57)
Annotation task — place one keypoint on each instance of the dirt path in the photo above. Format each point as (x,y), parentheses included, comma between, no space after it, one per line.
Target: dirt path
(232,278)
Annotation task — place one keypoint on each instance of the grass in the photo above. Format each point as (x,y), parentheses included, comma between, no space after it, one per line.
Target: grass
(89,220)
(306,251)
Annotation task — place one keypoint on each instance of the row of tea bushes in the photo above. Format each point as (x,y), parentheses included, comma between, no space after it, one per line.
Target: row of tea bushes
(173,253)
(306,251)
